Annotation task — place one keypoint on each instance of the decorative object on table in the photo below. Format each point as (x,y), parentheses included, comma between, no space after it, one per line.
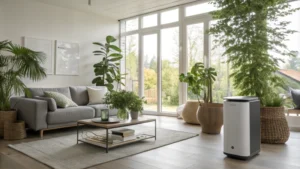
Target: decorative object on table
(67,58)
(45,46)
(124,101)
(6,116)
(135,105)
(60,99)
(189,112)
(96,95)
(254,65)
(209,114)
(105,114)
(109,121)
(274,126)
(14,130)
(17,63)
(107,71)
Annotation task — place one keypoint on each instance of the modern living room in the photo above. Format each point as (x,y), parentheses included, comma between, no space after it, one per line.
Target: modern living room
(154,84)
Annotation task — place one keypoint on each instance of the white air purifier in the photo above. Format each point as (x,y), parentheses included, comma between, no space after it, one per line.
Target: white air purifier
(241,127)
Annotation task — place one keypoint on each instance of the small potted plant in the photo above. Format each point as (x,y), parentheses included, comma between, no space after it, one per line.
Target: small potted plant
(274,126)
(125,101)
(209,114)
(136,106)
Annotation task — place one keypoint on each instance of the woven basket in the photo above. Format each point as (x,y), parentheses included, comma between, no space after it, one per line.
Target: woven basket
(274,126)
(14,130)
(9,116)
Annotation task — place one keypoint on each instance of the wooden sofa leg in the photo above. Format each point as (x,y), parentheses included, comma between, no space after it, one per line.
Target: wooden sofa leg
(41,134)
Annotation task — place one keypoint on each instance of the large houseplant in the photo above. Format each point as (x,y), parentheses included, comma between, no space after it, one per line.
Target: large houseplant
(16,63)
(200,81)
(252,34)
(107,71)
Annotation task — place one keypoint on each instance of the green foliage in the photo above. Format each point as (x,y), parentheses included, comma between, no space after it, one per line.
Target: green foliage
(17,63)
(274,100)
(249,30)
(124,101)
(200,79)
(107,71)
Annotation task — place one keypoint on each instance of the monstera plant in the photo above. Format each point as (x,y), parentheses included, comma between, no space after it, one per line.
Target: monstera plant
(107,71)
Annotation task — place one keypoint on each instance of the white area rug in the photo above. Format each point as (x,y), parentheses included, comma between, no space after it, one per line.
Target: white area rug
(64,153)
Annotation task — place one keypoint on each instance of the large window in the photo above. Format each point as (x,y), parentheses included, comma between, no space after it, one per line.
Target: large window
(169,42)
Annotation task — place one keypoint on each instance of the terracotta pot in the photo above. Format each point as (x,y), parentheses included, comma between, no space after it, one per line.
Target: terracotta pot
(210,116)
(134,115)
(274,126)
(6,116)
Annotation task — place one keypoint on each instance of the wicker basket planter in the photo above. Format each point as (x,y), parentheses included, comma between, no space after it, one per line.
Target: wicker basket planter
(210,116)
(14,130)
(6,116)
(274,126)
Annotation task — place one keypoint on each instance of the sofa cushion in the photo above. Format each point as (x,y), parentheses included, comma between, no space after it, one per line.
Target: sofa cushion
(40,91)
(79,95)
(51,102)
(296,97)
(70,114)
(99,107)
(96,95)
(60,99)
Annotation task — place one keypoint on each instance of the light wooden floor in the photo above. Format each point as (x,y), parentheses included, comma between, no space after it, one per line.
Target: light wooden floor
(202,152)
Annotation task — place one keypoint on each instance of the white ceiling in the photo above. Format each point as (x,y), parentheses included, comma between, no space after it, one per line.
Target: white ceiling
(117,9)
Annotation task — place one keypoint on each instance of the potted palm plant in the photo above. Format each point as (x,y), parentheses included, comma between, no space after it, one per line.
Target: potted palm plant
(200,81)
(18,62)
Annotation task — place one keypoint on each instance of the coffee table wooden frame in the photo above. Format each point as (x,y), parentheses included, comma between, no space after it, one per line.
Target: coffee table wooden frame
(107,127)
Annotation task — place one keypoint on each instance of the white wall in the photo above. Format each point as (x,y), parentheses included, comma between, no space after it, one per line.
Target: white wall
(19,18)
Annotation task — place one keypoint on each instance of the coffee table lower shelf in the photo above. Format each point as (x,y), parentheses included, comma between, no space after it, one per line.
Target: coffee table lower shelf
(112,145)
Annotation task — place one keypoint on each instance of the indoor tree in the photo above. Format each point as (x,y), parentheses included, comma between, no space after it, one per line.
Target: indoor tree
(107,71)
(250,31)
(17,62)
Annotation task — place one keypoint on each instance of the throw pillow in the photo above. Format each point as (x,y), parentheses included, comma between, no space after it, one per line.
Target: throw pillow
(96,96)
(60,99)
(51,102)
(296,97)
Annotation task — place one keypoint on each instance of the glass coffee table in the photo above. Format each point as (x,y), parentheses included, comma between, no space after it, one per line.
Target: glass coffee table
(105,143)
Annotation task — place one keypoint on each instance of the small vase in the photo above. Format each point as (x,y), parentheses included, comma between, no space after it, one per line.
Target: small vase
(123,114)
(134,115)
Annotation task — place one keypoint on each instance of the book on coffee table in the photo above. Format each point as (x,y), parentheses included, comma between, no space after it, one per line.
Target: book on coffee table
(123,132)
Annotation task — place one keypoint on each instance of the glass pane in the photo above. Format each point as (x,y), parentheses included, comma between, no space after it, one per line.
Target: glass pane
(132,24)
(217,61)
(169,16)
(199,9)
(170,69)
(290,68)
(149,21)
(195,49)
(131,61)
(150,71)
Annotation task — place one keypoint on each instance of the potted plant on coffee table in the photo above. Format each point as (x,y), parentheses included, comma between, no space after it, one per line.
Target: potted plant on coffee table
(200,81)
(136,105)
(125,102)
(17,63)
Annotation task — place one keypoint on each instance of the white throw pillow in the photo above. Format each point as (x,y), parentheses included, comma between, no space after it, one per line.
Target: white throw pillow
(96,96)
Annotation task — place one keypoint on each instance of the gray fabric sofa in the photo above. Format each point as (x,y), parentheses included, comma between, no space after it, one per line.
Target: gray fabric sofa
(39,113)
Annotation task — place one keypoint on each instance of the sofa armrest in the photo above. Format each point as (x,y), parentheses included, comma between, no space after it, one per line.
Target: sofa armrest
(32,111)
